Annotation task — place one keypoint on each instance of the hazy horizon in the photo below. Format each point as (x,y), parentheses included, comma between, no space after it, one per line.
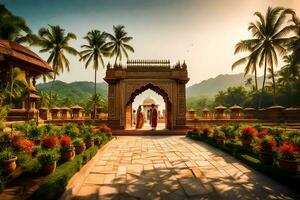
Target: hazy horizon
(203,33)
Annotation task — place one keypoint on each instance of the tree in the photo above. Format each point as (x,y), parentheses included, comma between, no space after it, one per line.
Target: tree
(294,45)
(268,41)
(94,52)
(55,41)
(118,44)
(12,27)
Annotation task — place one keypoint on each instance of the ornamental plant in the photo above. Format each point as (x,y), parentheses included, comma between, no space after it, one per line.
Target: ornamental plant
(88,137)
(78,142)
(35,133)
(48,156)
(49,141)
(218,134)
(65,140)
(262,134)
(6,155)
(247,133)
(287,151)
(105,129)
(266,143)
(25,145)
(70,130)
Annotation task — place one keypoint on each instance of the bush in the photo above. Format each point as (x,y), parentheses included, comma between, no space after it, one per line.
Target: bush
(6,155)
(287,151)
(48,128)
(247,133)
(78,142)
(87,137)
(70,130)
(48,156)
(65,140)
(86,129)
(35,133)
(23,158)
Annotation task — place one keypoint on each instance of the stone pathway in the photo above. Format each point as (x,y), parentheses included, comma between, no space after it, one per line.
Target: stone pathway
(173,167)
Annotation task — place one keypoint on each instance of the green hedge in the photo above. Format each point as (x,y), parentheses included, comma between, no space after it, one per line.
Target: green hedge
(56,183)
(252,160)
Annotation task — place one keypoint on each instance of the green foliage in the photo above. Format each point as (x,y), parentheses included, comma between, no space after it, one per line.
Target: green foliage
(199,103)
(48,156)
(70,129)
(23,158)
(87,137)
(6,155)
(48,128)
(32,166)
(35,133)
(78,142)
(2,183)
(85,129)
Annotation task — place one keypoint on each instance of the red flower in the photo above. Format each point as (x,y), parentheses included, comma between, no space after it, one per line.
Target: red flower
(26,145)
(287,149)
(105,129)
(247,133)
(262,133)
(49,141)
(267,143)
(65,140)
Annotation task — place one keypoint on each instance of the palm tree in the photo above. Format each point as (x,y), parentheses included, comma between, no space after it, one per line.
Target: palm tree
(118,44)
(251,59)
(12,27)
(268,41)
(295,40)
(55,41)
(94,51)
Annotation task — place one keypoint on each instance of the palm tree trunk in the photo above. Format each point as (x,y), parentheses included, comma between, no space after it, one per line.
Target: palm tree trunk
(263,86)
(255,76)
(274,88)
(95,92)
(51,88)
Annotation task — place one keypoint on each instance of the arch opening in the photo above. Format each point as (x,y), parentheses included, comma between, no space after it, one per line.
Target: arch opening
(164,120)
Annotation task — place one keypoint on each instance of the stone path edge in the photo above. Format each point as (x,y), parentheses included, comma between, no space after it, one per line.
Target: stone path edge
(78,179)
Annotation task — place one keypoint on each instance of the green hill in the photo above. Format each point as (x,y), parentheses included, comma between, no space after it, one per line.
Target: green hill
(209,87)
(79,90)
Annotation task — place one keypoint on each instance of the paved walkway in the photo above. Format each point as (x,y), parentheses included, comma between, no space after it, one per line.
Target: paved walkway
(173,167)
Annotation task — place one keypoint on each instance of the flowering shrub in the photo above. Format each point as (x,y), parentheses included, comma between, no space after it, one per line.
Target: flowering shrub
(262,134)
(25,145)
(267,143)
(247,133)
(65,140)
(287,151)
(105,129)
(49,141)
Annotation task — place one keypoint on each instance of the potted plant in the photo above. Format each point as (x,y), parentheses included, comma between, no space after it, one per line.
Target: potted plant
(79,145)
(266,145)
(287,160)
(66,148)
(219,136)
(7,162)
(88,140)
(48,159)
(193,133)
(25,145)
(246,136)
(70,130)
(49,141)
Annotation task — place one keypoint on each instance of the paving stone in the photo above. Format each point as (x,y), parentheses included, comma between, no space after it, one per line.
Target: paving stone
(173,167)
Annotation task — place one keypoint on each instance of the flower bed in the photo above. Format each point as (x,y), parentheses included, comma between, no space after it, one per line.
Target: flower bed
(48,150)
(265,152)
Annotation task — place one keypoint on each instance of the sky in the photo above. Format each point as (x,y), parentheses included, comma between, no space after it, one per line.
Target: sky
(201,32)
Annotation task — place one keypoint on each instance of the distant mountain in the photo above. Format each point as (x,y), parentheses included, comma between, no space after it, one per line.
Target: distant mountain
(208,88)
(79,90)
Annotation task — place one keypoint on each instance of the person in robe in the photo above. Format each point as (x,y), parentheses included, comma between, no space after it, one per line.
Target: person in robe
(154,115)
(139,118)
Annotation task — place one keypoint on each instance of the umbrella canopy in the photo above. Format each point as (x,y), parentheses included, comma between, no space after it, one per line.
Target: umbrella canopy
(19,56)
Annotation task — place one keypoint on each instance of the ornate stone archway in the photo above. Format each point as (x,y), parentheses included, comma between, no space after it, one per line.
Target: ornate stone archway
(125,83)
